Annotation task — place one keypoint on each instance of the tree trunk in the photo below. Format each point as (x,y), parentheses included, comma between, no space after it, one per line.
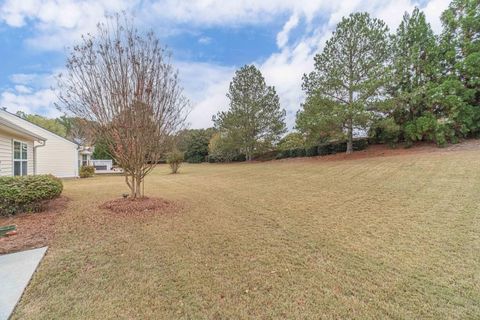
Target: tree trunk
(130,180)
(248,154)
(138,188)
(350,137)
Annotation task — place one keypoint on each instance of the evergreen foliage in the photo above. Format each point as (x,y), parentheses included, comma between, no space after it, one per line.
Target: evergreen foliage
(254,121)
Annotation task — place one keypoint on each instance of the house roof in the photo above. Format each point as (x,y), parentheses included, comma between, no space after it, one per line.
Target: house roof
(12,127)
(42,128)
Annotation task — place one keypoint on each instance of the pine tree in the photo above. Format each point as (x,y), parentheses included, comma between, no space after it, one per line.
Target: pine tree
(459,92)
(350,74)
(414,66)
(255,120)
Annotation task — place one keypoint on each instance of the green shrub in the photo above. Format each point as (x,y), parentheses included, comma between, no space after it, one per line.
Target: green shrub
(422,128)
(311,151)
(196,158)
(222,148)
(293,140)
(299,152)
(339,147)
(282,154)
(386,131)
(174,160)
(324,149)
(239,158)
(27,193)
(266,156)
(86,171)
(360,144)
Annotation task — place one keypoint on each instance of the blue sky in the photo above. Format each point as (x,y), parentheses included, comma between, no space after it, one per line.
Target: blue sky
(209,40)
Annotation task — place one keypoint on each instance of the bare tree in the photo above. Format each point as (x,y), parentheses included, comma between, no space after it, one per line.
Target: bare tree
(122,81)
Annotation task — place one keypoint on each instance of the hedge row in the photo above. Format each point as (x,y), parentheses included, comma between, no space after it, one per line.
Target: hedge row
(27,193)
(323,149)
(320,150)
(237,158)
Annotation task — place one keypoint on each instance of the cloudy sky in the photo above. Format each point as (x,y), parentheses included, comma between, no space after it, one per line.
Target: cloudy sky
(209,39)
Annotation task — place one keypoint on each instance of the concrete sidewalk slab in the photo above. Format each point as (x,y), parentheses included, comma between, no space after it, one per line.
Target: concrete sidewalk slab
(16,269)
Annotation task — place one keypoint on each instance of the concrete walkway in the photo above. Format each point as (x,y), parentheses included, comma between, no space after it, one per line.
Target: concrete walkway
(16,269)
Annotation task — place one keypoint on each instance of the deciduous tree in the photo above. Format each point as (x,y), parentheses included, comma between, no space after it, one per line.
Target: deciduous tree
(123,81)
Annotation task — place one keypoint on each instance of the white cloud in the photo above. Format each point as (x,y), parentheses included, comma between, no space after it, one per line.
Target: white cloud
(31,93)
(282,36)
(38,102)
(22,89)
(204,40)
(206,86)
(58,23)
(433,10)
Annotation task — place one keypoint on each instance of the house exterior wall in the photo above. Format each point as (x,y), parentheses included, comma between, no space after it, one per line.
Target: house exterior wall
(58,156)
(6,153)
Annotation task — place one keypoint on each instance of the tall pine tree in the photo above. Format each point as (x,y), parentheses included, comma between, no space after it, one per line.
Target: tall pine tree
(459,92)
(414,66)
(349,76)
(255,120)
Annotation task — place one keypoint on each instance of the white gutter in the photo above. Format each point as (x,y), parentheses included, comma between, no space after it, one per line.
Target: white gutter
(43,143)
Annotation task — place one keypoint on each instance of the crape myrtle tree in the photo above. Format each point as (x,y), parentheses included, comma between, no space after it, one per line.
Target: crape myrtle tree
(122,81)
(255,120)
(349,77)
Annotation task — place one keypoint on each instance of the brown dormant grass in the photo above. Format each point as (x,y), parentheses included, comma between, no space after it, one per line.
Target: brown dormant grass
(386,237)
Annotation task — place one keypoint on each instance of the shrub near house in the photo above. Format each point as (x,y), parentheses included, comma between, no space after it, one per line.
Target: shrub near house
(87,171)
(27,193)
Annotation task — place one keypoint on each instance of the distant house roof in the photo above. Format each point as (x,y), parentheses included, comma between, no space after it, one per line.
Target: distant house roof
(19,130)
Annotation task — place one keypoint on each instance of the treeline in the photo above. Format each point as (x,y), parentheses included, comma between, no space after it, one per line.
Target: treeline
(408,86)
(402,87)
(368,82)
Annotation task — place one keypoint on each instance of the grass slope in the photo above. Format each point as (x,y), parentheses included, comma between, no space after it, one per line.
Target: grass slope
(389,237)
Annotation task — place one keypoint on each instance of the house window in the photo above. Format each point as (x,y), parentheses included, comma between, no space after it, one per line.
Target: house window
(20,160)
(84,160)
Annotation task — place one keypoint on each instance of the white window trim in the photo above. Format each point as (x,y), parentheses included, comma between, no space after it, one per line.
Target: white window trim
(13,155)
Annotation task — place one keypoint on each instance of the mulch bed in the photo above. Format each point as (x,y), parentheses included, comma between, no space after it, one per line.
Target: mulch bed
(140,205)
(34,230)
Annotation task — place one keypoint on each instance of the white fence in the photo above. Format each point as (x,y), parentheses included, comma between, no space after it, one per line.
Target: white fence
(102,165)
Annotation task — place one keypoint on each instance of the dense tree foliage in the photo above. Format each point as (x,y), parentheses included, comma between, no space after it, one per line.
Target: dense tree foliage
(222,148)
(348,79)
(419,87)
(458,94)
(194,144)
(101,149)
(53,125)
(254,121)
(293,140)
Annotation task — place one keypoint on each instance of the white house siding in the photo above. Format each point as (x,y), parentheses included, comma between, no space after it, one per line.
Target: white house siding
(58,157)
(6,154)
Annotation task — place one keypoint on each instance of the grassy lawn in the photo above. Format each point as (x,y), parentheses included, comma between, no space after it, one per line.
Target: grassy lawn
(387,237)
